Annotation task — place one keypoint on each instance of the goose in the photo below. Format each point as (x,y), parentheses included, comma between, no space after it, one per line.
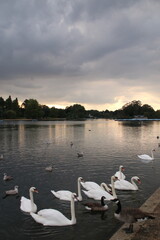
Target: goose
(96,207)
(147,157)
(52,217)
(49,168)
(119,174)
(7,177)
(126,185)
(28,205)
(11,192)
(96,194)
(66,194)
(130,215)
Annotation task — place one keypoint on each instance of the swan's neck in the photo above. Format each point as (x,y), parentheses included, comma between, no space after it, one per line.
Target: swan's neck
(113,188)
(120,170)
(152,154)
(105,187)
(79,191)
(32,199)
(73,216)
(134,184)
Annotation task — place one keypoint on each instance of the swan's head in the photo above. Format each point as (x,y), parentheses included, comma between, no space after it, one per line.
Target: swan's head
(137,179)
(33,189)
(80,179)
(114,178)
(16,187)
(74,196)
(121,168)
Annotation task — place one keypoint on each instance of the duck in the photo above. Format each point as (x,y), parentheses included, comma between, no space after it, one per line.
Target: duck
(66,194)
(28,205)
(49,168)
(11,192)
(147,157)
(79,154)
(7,177)
(126,185)
(53,217)
(96,207)
(96,194)
(130,215)
(119,174)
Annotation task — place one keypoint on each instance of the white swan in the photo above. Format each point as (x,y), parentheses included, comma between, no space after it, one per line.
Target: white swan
(126,185)
(98,193)
(66,194)
(119,174)
(52,217)
(147,157)
(28,205)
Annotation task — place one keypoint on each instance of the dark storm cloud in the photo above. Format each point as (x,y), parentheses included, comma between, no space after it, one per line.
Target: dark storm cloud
(72,50)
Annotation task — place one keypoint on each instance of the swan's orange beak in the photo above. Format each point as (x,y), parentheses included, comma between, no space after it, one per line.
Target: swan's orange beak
(139,181)
(35,190)
(123,169)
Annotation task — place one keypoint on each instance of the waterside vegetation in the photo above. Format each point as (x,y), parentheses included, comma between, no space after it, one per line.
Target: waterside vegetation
(31,109)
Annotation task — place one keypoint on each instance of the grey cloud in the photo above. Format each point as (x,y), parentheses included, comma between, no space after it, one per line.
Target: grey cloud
(61,48)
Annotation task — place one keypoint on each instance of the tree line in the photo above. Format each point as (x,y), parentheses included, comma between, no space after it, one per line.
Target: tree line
(31,109)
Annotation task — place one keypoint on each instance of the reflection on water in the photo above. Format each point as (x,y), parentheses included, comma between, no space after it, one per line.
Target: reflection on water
(28,147)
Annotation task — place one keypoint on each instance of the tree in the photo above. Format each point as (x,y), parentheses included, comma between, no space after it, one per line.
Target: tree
(131,109)
(2,107)
(8,103)
(32,109)
(75,112)
(15,107)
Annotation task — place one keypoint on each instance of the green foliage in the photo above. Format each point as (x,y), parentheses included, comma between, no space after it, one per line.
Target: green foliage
(31,109)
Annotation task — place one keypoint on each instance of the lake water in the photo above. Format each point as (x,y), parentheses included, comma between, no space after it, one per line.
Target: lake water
(28,147)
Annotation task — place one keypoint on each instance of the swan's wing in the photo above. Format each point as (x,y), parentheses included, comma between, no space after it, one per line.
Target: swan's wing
(97,194)
(63,195)
(145,156)
(90,185)
(51,217)
(123,185)
(25,205)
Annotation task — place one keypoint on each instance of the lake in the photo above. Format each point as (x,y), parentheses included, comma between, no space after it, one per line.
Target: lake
(28,147)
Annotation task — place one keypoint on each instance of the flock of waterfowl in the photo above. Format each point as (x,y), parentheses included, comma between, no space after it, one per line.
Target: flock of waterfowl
(103,193)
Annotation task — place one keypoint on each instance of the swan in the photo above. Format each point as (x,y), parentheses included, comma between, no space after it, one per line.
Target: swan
(66,194)
(147,157)
(98,193)
(126,185)
(96,207)
(7,177)
(28,205)
(130,215)
(52,217)
(119,174)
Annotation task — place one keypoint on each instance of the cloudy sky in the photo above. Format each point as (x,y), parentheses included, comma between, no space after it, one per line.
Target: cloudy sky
(100,54)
